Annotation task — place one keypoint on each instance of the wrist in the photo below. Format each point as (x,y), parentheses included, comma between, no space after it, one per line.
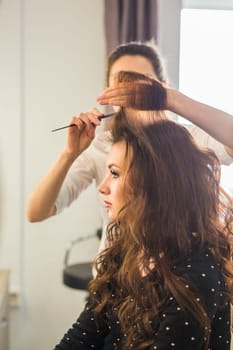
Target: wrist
(68,157)
(172,99)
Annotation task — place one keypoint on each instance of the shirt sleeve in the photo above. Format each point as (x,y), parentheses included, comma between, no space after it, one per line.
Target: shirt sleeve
(89,166)
(84,334)
(79,177)
(205,140)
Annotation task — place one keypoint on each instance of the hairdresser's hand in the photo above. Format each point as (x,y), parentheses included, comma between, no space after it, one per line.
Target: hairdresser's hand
(82,133)
(137,95)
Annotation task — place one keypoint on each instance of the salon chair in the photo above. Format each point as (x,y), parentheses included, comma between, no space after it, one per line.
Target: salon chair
(78,275)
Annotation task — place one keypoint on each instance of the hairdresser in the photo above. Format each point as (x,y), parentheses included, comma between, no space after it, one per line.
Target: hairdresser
(83,157)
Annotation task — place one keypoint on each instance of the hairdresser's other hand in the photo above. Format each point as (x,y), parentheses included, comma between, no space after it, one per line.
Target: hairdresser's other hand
(82,133)
(137,95)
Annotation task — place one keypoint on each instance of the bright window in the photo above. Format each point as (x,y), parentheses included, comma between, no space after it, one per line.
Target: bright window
(206,62)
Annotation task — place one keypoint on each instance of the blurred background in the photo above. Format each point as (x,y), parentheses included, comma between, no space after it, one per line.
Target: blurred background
(52,66)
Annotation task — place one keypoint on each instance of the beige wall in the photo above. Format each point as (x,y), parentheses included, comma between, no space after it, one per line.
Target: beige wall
(51,67)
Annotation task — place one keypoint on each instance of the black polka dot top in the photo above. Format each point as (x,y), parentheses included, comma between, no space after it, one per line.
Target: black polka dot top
(174,330)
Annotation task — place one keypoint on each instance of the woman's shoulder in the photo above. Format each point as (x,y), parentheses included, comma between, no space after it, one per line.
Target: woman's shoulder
(203,270)
(198,260)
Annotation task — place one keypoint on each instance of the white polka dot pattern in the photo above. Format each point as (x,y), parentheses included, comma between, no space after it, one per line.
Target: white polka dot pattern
(174,329)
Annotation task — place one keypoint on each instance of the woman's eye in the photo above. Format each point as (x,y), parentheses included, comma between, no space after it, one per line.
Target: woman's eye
(114,173)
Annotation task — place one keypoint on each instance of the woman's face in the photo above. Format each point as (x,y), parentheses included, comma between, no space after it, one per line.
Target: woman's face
(131,63)
(114,187)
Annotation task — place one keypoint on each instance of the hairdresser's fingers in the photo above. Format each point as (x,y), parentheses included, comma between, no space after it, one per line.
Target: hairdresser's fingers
(86,121)
(90,119)
(96,113)
(78,125)
(115,101)
(82,125)
(117,96)
(81,134)
(73,133)
(122,90)
(118,89)
(138,95)
(131,97)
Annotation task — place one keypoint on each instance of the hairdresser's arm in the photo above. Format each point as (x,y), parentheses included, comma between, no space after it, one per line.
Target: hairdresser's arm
(155,96)
(215,122)
(41,203)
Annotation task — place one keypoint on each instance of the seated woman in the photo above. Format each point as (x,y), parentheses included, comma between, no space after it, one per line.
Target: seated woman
(164,281)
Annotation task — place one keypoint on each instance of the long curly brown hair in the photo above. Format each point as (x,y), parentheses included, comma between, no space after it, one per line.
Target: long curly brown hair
(176,193)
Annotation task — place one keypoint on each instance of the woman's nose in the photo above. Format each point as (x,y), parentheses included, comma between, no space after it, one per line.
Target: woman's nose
(103,187)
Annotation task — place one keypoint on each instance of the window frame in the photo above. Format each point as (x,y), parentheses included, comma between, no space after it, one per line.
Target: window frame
(208,4)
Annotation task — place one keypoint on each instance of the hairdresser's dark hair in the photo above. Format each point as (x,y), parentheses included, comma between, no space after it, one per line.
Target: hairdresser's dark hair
(149,51)
(178,207)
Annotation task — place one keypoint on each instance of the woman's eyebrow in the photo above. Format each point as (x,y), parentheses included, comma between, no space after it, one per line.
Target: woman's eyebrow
(113,164)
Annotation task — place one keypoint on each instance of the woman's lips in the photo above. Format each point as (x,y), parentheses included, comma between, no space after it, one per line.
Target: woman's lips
(107,204)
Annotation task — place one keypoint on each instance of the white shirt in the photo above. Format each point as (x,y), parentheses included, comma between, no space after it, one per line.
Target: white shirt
(91,166)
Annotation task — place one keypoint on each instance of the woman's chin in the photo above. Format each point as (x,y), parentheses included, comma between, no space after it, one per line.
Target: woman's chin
(111,215)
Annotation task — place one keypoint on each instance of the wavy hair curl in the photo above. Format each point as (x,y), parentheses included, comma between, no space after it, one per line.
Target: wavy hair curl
(177,205)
